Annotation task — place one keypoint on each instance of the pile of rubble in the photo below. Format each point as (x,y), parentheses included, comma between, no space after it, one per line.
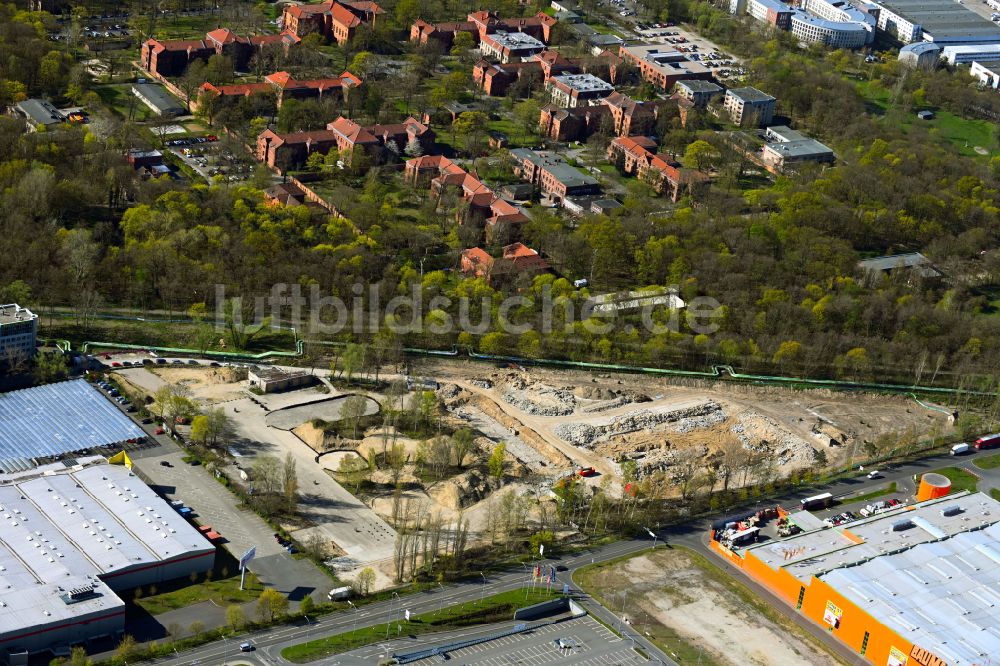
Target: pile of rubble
(701,415)
(762,434)
(539,399)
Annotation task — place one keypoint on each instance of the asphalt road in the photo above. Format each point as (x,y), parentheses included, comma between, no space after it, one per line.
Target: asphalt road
(692,534)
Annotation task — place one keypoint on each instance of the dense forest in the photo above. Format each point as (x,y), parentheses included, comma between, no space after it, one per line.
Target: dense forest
(781,257)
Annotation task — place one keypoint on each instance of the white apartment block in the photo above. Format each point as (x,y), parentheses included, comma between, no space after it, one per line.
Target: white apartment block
(18,332)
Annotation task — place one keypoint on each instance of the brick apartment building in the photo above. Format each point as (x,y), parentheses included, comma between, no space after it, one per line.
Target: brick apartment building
(485,208)
(553,176)
(283,86)
(516,259)
(335,19)
(637,156)
(285,151)
(171,57)
(662,68)
(572,90)
(479,24)
(616,114)
(496,78)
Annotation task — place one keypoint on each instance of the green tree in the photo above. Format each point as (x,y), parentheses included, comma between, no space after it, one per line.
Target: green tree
(271,604)
(50,367)
(78,657)
(307,605)
(199,429)
(364,581)
(462,44)
(538,539)
(700,155)
(126,647)
(496,462)
(235,617)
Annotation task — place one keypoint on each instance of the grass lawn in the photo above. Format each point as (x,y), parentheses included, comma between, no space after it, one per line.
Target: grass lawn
(223,589)
(119,98)
(496,608)
(989,462)
(888,490)
(960,479)
(995,493)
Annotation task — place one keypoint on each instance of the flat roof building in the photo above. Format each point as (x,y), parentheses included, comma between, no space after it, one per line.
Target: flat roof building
(18,332)
(553,175)
(572,90)
(72,536)
(507,46)
(963,55)
(158,99)
(662,67)
(987,71)
(749,107)
(915,585)
(39,113)
(785,146)
(939,21)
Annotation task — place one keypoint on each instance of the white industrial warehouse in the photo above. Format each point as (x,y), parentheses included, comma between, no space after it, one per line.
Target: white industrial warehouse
(73,535)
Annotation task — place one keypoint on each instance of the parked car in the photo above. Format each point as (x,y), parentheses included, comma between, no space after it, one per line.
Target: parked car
(159,431)
(165,463)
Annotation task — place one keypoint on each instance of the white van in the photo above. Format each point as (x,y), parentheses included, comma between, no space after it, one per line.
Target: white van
(874,474)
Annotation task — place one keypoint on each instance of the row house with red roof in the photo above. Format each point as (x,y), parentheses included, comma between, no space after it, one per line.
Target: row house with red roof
(637,156)
(335,19)
(284,86)
(283,151)
(171,57)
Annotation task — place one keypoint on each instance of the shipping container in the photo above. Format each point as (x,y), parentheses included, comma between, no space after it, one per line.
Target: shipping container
(988,442)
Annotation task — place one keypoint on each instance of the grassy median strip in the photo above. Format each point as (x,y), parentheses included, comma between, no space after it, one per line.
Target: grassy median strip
(989,462)
(495,608)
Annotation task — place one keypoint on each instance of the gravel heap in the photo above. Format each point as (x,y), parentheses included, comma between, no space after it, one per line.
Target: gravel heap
(540,400)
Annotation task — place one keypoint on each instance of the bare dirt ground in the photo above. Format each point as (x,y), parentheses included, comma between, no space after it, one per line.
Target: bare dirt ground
(685,606)
(556,421)
(207,385)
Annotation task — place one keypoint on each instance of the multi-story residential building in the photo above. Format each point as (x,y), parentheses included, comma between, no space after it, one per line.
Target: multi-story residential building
(785,146)
(18,332)
(699,93)
(335,19)
(749,107)
(616,114)
(572,90)
(286,151)
(553,176)
(662,68)
(508,46)
(283,86)
(479,24)
(171,57)
(637,156)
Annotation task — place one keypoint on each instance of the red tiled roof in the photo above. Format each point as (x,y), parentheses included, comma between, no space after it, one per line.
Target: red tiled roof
(637,145)
(518,250)
(352,131)
(224,36)
(343,16)
(366,6)
(304,137)
(178,44)
(279,79)
(236,89)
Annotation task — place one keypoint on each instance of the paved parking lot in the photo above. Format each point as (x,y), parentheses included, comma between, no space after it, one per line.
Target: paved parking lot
(592,643)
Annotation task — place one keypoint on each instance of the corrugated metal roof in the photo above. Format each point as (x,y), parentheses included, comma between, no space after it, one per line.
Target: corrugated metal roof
(56,419)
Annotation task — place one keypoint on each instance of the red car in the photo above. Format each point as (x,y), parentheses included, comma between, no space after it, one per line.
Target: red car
(116,364)
(159,431)
(588,471)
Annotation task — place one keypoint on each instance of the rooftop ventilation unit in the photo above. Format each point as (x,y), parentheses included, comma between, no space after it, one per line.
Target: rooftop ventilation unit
(952,510)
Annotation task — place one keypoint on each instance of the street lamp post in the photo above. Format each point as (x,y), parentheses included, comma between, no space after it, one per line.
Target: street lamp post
(441,605)
(355,615)
(482,596)
(388,620)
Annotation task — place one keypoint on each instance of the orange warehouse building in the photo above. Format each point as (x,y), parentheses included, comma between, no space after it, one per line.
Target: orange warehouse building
(915,586)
